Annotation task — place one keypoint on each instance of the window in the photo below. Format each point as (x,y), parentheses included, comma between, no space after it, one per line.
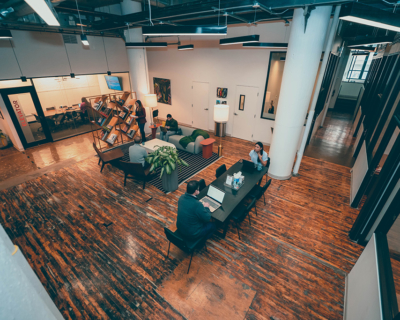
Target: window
(359,66)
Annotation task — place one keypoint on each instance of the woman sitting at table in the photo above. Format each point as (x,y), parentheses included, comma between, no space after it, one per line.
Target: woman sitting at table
(259,156)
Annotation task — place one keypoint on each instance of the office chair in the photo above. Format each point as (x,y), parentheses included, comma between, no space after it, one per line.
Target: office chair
(109,156)
(137,171)
(241,212)
(259,191)
(202,184)
(186,246)
(220,171)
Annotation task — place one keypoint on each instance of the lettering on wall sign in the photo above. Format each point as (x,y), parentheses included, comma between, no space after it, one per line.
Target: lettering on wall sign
(19,113)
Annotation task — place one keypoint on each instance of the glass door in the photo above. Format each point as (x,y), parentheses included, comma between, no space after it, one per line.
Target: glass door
(27,115)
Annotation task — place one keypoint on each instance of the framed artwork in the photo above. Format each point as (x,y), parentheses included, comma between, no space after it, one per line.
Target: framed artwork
(241,102)
(218,102)
(221,102)
(162,89)
(224,102)
(222,92)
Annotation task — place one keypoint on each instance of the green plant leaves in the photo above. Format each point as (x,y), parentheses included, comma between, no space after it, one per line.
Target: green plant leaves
(167,158)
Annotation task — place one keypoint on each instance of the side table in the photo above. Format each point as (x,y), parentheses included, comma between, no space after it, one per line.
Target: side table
(154,129)
(207,147)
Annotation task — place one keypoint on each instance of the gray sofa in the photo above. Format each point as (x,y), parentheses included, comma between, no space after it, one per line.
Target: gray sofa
(193,147)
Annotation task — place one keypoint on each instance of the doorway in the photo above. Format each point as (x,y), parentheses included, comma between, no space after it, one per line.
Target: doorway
(25,110)
(200,105)
(244,112)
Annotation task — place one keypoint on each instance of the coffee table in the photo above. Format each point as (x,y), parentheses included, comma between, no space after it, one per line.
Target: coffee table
(154,144)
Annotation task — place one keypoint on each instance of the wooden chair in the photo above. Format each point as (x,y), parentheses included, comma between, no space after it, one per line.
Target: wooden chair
(220,171)
(109,156)
(241,212)
(137,171)
(202,184)
(184,245)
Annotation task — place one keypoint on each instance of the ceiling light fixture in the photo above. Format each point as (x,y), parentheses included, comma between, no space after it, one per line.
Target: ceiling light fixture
(168,30)
(84,38)
(44,11)
(370,40)
(236,40)
(186,47)
(370,16)
(266,45)
(5,34)
(146,44)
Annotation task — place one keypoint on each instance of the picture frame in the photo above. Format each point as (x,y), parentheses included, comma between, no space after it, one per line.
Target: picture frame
(241,102)
(222,92)
(162,90)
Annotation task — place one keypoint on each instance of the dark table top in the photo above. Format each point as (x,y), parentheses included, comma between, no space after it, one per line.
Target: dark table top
(233,197)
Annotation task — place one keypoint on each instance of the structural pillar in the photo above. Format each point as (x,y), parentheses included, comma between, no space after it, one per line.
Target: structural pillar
(301,67)
(137,59)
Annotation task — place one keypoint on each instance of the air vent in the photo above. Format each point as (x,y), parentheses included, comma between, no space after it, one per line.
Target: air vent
(70,38)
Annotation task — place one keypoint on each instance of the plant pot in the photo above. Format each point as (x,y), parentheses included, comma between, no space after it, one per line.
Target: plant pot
(170,181)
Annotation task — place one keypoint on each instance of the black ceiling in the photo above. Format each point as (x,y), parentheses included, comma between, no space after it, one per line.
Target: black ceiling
(182,12)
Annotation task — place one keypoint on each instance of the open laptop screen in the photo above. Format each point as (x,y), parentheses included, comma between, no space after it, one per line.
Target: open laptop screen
(216,194)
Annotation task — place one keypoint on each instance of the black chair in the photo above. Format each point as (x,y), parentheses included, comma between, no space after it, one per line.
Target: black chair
(268,162)
(202,184)
(220,171)
(259,191)
(137,171)
(186,246)
(241,212)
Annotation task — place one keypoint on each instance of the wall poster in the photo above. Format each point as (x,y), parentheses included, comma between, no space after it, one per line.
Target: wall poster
(162,89)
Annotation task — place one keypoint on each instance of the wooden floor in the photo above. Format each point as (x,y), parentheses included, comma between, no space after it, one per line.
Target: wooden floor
(295,254)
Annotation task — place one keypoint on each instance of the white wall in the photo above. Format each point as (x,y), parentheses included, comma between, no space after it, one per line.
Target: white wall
(22,296)
(220,66)
(43,54)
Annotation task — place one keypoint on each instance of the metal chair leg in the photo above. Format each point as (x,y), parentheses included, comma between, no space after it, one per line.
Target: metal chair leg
(264,198)
(237,226)
(102,166)
(99,161)
(169,244)
(125,180)
(249,219)
(190,261)
(144,184)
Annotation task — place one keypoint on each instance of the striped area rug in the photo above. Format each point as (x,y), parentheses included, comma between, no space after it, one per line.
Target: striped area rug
(196,163)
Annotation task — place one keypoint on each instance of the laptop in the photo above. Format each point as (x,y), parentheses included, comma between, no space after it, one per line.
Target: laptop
(248,166)
(164,129)
(214,198)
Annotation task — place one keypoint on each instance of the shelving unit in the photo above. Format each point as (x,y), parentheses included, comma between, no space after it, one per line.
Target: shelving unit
(106,121)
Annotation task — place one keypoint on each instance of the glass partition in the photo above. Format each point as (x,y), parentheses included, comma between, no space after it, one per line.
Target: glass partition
(61,100)
(273,84)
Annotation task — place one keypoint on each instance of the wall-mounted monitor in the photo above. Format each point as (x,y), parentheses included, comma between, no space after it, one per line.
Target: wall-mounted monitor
(113,83)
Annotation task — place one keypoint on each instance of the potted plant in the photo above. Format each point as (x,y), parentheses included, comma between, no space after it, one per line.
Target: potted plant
(167,159)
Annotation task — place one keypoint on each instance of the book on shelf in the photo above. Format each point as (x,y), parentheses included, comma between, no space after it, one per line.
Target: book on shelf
(101,121)
(130,119)
(125,128)
(122,115)
(112,138)
(103,135)
(121,102)
(108,127)
(131,133)
(127,108)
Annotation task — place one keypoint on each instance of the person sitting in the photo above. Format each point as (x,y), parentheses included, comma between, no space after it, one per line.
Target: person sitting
(259,156)
(138,154)
(193,220)
(172,127)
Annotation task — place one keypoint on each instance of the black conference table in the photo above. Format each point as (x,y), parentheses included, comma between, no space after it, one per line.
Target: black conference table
(232,197)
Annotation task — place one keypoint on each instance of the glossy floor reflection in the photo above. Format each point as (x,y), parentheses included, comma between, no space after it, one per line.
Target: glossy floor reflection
(15,163)
(334,141)
(99,248)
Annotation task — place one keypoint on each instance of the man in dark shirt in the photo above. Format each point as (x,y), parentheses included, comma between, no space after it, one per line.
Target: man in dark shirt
(193,217)
(172,127)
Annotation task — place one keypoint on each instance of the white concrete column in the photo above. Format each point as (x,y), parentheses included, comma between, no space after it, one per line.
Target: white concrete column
(137,58)
(301,67)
